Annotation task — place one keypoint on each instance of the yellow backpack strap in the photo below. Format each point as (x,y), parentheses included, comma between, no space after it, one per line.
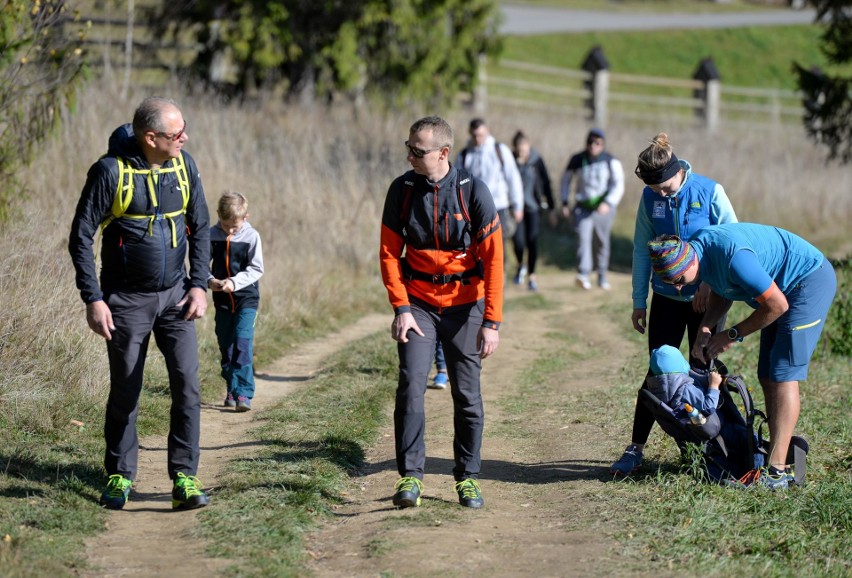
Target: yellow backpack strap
(179,168)
(123,193)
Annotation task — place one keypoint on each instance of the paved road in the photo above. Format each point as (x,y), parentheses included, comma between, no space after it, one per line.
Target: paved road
(541,20)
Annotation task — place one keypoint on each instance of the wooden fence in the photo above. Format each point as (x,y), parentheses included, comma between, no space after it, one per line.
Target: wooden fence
(601,92)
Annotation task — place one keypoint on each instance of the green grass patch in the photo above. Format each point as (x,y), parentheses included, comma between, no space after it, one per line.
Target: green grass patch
(312,442)
(771,52)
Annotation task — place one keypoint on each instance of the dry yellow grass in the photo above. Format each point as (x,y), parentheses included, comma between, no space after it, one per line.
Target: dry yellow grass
(316,181)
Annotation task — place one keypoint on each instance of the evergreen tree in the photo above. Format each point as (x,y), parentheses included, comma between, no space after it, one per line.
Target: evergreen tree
(828,107)
(397,50)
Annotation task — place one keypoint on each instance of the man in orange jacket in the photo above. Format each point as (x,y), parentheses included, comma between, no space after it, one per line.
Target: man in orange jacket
(448,286)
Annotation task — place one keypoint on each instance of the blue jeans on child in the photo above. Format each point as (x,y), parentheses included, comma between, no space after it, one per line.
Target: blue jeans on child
(235,334)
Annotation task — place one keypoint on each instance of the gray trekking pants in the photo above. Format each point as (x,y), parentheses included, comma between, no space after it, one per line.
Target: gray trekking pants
(591,226)
(457,328)
(135,316)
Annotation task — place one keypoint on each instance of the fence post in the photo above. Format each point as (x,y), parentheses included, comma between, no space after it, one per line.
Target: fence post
(480,91)
(710,94)
(597,65)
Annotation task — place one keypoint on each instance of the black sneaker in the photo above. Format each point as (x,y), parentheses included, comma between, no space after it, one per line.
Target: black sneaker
(408,490)
(470,494)
(187,494)
(117,492)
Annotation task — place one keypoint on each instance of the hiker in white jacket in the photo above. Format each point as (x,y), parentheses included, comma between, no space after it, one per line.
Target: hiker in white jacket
(493,163)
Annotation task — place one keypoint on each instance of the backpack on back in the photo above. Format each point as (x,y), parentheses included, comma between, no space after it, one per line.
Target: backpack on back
(729,444)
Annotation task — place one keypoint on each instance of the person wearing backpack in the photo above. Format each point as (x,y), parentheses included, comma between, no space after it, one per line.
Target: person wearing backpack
(492,162)
(674,200)
(537,191)
(790,285)
(146,196)
(599,188)
(448,286)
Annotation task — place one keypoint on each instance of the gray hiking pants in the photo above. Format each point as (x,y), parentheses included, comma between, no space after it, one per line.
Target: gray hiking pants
(591,226)
(136,315)
(457,328)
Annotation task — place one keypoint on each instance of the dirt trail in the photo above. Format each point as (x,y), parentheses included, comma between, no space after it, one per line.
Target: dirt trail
(542,466)
(147,538)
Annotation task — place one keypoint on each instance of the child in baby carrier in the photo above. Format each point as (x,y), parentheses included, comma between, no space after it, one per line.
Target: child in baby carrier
(723,427)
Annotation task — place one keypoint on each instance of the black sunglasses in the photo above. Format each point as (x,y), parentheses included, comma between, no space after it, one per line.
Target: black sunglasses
(419,153)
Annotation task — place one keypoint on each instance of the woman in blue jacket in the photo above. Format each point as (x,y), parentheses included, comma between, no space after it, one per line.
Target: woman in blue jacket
(675,201)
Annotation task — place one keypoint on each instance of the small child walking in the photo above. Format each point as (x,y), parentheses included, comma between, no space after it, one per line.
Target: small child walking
(237,266)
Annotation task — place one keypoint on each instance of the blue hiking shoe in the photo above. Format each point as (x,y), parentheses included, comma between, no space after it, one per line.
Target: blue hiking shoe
(187,494)
(230,401)
(243,404)
(628,463)
(117,492)
(470,494)
(408,490)
(440,382)
(775,479)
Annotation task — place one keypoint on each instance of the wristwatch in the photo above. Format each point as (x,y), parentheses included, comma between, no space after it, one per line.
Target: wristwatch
(734,335)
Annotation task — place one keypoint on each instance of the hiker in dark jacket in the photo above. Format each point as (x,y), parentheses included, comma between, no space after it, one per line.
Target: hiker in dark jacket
(146,196)
(537,193)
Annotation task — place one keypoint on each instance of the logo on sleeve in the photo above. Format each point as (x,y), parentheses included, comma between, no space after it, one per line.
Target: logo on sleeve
(659,211)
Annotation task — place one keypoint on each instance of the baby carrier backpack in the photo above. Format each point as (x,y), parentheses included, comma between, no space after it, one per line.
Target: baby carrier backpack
(729,444)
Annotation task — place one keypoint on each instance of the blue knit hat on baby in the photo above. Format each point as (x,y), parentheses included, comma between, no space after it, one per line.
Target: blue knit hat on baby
(668,359)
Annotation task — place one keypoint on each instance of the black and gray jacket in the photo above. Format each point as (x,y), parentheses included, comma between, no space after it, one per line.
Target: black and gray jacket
(238,257)
(139,254)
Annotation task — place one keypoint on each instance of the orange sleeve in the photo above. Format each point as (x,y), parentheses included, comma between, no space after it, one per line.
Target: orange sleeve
(491,254)
(764,297)
(390,253)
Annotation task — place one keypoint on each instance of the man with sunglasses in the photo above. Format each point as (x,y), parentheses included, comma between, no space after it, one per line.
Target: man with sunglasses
(790,285)
(447,286)
(146,196)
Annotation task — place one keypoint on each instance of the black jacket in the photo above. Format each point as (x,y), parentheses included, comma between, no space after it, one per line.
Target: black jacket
(138,254)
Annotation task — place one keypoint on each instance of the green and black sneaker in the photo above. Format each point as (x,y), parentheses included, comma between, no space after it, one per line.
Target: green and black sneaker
(117,492)
(470,494)
(187,494)
(408,492)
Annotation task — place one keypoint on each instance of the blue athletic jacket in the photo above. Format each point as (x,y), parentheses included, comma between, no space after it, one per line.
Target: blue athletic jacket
(699,202)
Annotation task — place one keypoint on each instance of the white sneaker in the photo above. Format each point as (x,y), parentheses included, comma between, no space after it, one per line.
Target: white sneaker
(605,285)
(583,282)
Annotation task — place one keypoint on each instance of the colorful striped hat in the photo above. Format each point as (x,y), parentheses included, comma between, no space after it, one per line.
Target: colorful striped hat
(670,257)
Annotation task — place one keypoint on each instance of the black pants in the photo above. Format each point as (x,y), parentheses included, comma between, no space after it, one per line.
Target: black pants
(667,322)
(457,328)
(136,315)
(526,237)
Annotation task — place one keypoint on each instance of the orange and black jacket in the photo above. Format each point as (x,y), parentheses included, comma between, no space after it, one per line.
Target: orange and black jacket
(453,254)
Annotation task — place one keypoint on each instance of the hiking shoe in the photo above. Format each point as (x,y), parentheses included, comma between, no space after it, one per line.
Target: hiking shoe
(187,494)
(583,282)
(230,401)
(775,479)
(519,278)
(533,286)
(470,494)
(440,382)
(628,463)
(604,285)
(408,490)
(243,404)
(117,492)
